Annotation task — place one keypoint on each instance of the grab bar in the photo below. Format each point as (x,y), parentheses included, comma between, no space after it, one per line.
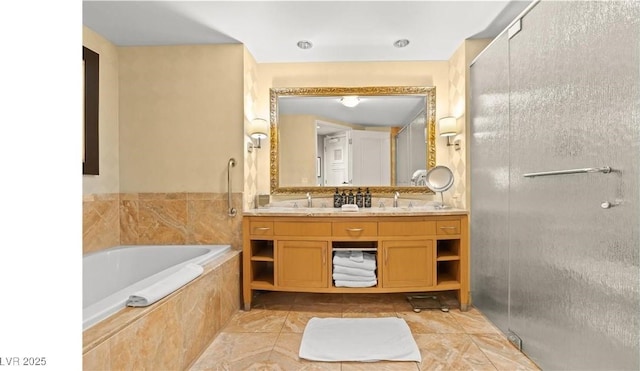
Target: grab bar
(232,163)
(604,169)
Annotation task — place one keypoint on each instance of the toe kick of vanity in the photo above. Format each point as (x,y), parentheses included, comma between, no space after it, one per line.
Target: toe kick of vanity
(356,254)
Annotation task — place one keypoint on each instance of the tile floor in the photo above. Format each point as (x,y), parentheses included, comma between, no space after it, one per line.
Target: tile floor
(268,336)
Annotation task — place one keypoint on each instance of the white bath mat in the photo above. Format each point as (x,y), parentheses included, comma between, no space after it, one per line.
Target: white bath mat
(358,339)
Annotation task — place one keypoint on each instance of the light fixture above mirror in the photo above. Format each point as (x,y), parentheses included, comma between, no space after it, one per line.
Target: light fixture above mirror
(350,101)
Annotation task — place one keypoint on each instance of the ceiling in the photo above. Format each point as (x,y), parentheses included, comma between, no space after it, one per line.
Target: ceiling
(339,30)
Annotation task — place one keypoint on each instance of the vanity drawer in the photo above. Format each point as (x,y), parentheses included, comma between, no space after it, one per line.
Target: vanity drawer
(354,229)
(407,228)
(261,228)
(302,228)
(448,227)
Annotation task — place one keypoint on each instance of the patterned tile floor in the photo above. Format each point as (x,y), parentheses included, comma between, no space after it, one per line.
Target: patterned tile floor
(268,336)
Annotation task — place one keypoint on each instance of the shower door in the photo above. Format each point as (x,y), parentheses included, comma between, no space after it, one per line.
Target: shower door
(573,256)
(489,146)
(574,103)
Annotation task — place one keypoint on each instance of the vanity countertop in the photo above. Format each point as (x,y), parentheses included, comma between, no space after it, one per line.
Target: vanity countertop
(333,212)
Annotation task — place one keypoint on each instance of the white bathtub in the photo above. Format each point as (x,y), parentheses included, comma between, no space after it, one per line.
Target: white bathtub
(111,275)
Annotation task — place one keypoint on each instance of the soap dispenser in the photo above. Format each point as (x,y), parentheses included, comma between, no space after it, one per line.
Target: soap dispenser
(343,198)
(367,198)
(350,197)
(359,198)
(337,199)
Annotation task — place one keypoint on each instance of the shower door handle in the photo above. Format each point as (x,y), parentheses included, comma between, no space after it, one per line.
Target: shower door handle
(604,170)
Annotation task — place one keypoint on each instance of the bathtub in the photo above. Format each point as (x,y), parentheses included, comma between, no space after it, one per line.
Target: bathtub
(111,275)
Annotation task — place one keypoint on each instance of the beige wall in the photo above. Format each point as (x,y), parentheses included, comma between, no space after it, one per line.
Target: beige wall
(108,180)
(251,97)
(349,74)
(181,118)
(170,119)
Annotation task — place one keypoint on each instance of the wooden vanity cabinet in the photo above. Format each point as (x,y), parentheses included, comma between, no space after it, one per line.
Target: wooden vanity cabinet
(302,264)
(417,253)
(407,264)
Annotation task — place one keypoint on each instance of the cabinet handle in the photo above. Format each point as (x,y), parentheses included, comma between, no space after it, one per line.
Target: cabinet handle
(386,257)
(261,229)
(324,256)
(355,229)
(448,227)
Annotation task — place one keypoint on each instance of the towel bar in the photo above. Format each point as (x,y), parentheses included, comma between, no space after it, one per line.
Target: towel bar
(604,169)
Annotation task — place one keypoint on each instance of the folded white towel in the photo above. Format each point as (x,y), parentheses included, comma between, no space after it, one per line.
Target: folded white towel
(341,283)
(165,286)
(342,258)
(354,271)
(356,256)
(350,277)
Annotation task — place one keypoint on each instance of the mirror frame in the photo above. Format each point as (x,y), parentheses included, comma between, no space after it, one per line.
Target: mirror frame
(430,111)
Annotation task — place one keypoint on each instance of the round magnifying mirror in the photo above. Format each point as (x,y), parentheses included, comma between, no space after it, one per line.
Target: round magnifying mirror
(439,179)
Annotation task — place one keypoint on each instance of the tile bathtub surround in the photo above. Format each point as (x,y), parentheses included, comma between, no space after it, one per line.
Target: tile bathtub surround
(159,219)
(171,334)
(100,222)
(268,336)
(179,218)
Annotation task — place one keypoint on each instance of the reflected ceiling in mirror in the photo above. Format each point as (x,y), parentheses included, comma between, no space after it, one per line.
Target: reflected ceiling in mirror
(320,141)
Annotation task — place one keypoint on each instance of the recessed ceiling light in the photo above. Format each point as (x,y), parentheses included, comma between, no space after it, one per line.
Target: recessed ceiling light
(401,43)
(304,44)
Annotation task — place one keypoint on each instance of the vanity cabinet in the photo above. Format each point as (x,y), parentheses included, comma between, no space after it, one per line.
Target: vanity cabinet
(302,264)
(413,253)
(407,263)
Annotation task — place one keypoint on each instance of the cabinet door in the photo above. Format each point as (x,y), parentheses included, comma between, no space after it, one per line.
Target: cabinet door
(407,263)
(302,264)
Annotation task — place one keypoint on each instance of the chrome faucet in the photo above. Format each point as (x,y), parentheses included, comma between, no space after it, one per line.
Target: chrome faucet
(309,202)
(395,199)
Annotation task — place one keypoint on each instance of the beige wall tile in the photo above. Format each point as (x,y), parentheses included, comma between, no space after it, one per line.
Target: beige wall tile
(162,221)
(100,223)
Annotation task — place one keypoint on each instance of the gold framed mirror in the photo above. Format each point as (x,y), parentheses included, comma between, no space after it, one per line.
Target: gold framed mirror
(322,138)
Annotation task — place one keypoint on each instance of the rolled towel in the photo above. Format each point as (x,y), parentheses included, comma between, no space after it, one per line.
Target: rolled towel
(354,271)
(356,256)
(165,286)
(350,277)
(341,283)
(342,258)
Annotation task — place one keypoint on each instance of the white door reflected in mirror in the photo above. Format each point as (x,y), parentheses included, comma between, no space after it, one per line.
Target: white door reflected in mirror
(336,154)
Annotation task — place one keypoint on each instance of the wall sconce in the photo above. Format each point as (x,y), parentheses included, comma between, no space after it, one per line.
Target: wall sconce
(258,129)
(448,127)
